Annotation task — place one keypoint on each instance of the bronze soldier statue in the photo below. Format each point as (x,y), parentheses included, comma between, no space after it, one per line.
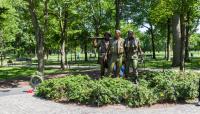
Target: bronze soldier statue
(132,51)
(102,50)
(116,51)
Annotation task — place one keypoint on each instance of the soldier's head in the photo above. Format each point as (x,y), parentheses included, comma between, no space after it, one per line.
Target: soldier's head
(117,34)
(107,35)
(130,34)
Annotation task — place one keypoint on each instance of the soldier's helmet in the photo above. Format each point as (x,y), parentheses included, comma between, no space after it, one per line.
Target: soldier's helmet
(118,31)
(130,31)
(107,33)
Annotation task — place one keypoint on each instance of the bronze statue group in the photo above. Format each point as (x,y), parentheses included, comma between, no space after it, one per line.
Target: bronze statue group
(117,53)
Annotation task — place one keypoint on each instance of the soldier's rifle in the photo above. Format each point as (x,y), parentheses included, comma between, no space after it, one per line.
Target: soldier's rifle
(95,37)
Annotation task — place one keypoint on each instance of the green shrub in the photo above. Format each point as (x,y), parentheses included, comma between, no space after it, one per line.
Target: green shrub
(141,95)
(164,86)
(111,91)
(153,87)
(173,86)
(187,86)
(79,88)
(71,88)
(52,89)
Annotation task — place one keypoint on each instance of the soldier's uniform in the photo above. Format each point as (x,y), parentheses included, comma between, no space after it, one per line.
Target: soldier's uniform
(103,56)
(116,51)
(131,58)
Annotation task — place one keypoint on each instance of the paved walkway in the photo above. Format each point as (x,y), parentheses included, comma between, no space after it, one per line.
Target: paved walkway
(17,101)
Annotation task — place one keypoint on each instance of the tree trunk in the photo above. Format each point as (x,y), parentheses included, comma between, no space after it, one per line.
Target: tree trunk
(58,59)
(1,59)
(85,51)
(97,31)
(187,59)
(38,36)
(66,59)
(117,16)
(63,27)
(75,55)
(182,54)
(168,39)
(47,54)
(97,35)
(176,40)
(46,22)
(62,52)
(1,47)
(152,41)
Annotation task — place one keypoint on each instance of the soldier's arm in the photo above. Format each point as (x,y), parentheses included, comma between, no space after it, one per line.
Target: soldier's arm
(124,47)
(125,50)
(139,48)
(109,47)
(95,43)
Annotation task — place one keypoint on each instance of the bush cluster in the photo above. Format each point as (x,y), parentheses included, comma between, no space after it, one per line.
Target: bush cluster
(153,87)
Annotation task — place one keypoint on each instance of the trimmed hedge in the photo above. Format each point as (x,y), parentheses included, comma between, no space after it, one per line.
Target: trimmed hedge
(154,87)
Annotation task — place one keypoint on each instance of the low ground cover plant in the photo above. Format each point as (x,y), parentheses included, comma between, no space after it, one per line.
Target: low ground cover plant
(153,87)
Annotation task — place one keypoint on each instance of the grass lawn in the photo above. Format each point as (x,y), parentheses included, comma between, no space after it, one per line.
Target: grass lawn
(162,63)
(7,73)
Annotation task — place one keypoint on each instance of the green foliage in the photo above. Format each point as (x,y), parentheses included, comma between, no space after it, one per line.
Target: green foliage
(187,86)
(111,91)
(173,86)
(154,87)
(195,42)
(141,95)
(77,89)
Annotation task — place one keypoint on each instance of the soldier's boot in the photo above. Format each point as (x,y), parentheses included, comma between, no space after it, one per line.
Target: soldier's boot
(126,74)
(127,66)
(117,71)
(102,70)
(136,80)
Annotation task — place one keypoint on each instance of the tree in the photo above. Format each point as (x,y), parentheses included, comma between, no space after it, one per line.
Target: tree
(161,14)
(62,14)
(9,27)
(118,12)
(39,31)
(2,10)
(65,13)
(140,14)
(99,17)
(184,7)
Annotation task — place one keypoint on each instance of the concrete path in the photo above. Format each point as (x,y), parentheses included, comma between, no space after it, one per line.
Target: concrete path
(17,101)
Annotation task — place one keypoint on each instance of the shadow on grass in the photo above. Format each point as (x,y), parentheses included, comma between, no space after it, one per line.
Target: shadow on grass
(158,63)
(23,73)
(8,73)
(75,63)
(194,64)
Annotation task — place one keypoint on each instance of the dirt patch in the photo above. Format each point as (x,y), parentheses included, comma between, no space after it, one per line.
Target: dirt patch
(13,83)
